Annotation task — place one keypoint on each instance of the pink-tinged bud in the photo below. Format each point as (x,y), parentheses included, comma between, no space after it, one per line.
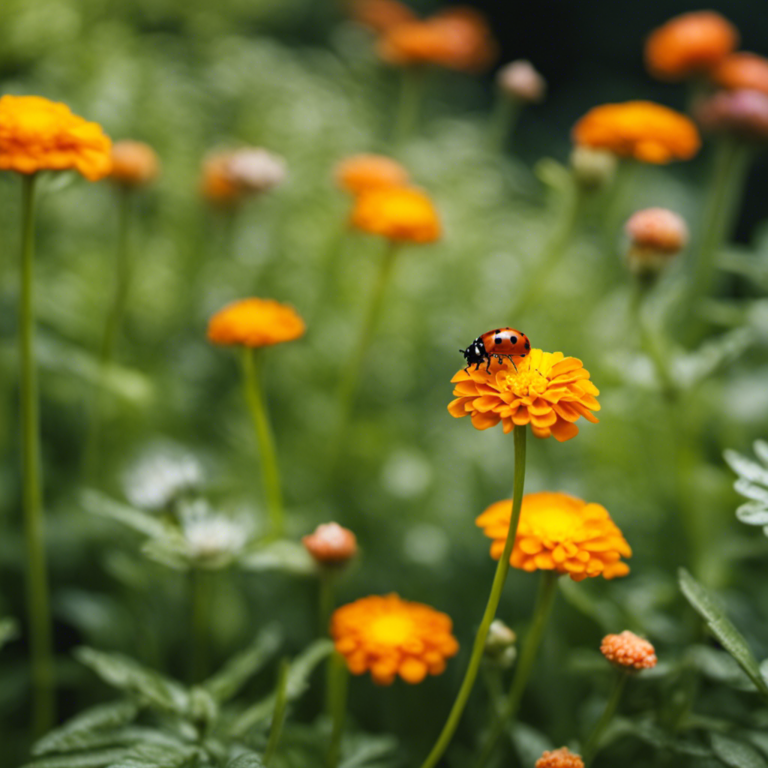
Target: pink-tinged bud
(656,235)
(560,758)
(743,114)
(331,544)
(628,651)
(520,80)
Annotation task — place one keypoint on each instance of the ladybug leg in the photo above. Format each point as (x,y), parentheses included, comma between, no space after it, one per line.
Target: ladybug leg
(488,366)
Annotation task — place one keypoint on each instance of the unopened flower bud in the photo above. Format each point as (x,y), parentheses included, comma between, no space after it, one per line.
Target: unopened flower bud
(331,544)
(520,80)
(655,236)
(628,651)
(500,644)
(742,113)
(560,758)
(593,168)
(134,163)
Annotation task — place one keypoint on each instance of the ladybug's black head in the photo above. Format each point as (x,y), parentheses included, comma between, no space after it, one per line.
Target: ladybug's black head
(475,352)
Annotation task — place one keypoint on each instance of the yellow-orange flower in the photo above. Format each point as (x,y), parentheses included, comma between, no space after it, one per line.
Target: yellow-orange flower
(742,71)
(561,533)
(629,651)
(360,173)
(690,44)
(381,15)
(457,38)
(255,323)
(643,130)
(560,758)
(397,213)
(133,163)
(546,390)
(41,135)
(389,636)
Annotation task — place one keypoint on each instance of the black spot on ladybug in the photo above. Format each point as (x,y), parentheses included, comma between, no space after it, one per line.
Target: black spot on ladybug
(497,340)
(527,346)
(513,339)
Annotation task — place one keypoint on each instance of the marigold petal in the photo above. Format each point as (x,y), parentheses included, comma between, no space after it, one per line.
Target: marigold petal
(413,670)
(458,407)
(484,420)
(564,430)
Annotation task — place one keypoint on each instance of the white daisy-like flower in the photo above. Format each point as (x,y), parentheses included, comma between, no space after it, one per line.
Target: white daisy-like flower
(210,535)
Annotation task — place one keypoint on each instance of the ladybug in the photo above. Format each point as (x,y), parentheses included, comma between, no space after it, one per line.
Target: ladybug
(503,342)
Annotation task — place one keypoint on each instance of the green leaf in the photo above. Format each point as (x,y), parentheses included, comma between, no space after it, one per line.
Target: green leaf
(287,556)
(753,513)
(247,760)
(157,756)
(87,760)
(8,631)
(746,468)
(696,366)
(130,676)
(751,491)
(721,627)
(761,450)
(366,750)
(240,668)
(98,504)
(298,677)
(78,733)
(529,743)
(736,754)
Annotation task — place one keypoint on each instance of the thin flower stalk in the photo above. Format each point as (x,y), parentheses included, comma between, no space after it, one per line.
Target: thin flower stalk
(502,569)
(523,668)
(278,716)
(593,742)
(412,88)
(38,603)
(337,697)
(503,121)
(200,594)
(271,475)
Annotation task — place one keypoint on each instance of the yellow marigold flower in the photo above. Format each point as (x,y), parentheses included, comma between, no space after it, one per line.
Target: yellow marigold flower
(546,390)
(41,135)
(381,15)
(560,758)
(255,323)
(389,636)
(742,71)
(133,163)
(629,651)
(643,130)
(561,533)
(397,213)
(690,44)
(361,173)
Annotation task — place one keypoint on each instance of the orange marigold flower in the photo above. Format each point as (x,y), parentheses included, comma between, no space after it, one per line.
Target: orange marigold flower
(560,758)
(381,15)
(389,636)
(561,533)
(546,390)
(457,38)
(255,323)
(742,71)
(690,44)
(360,173)
(133,163)
(629,651)
(397,213)
(331,544)
(41,135)
(643,130)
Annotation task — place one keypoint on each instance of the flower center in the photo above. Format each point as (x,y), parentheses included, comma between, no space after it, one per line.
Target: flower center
(556,523)
(524,382)
(393,629)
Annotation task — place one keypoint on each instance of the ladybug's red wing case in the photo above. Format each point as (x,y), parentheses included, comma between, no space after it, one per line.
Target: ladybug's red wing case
(506,342)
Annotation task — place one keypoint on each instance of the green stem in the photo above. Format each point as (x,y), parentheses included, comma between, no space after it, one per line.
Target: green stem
(201,616)
(502,569)
(338,708)
(593,742)
(271,475)
(38,607)
(326,599)
(555,247)
(503,121)
(411,99)
(730,166)
(351,377)
(112,328)
(544,600)
(278,717)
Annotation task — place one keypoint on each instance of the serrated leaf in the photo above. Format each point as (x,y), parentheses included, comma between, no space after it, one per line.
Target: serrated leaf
(719,666)
(8,630)
(239,669)
(366,750)
(764,670)
(746,468)
(89,760)
(761,451)
(753,513)
(736,754)
(751,491)
(298,676)
(248,760)
(130,676)
(98,504)
(721,627)
(79,732)
(286,556)
(157,756)
(692,368)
